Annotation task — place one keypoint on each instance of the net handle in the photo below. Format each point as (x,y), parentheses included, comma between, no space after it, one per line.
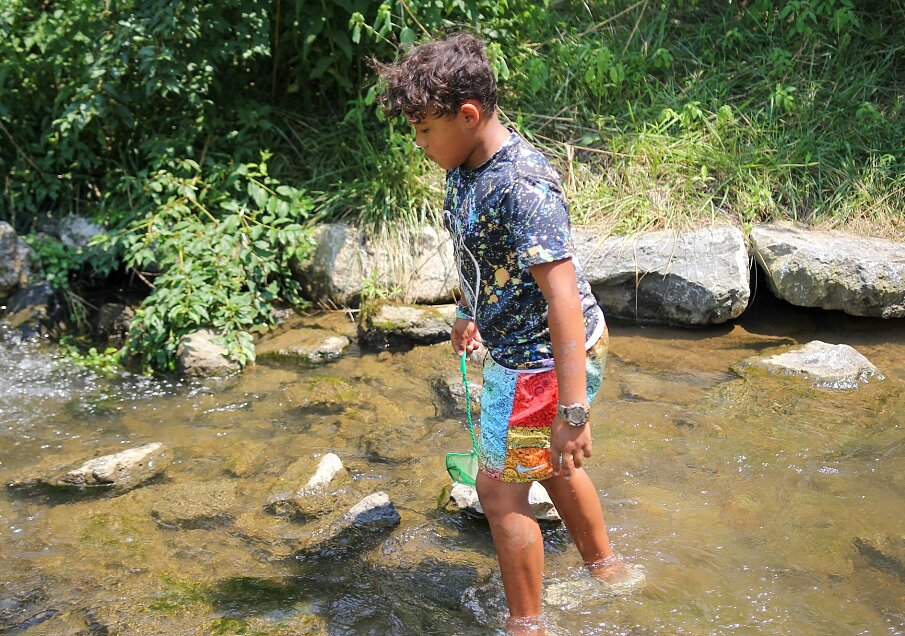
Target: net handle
(474,440)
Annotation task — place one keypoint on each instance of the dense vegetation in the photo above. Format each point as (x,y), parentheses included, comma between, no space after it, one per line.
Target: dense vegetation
(207,137)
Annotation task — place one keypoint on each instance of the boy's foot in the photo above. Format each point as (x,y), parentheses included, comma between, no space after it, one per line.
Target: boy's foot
(526,626)
(611,577)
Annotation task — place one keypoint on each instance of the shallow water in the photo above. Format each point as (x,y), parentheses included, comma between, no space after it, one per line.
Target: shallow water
(754,506)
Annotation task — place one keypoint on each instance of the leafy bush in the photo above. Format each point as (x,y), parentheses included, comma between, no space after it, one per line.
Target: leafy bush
(223,244)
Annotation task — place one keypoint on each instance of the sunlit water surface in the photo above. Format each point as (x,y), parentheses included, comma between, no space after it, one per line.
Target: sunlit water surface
(754,506)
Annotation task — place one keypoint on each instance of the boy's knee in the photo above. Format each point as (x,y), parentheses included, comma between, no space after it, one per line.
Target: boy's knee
(497,498)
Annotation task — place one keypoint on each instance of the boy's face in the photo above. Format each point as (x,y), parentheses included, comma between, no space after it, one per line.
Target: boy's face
(446,140)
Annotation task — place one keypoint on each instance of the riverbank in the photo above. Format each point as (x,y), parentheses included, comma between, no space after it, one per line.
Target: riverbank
(693,279)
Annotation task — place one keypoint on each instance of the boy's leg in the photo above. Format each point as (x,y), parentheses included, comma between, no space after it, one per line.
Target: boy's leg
(578,504)
(518,542)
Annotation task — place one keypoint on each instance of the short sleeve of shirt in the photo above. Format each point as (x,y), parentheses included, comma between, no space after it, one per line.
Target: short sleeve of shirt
(538,221)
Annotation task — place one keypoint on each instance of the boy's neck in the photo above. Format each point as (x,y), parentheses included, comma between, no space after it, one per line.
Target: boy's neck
(488,140)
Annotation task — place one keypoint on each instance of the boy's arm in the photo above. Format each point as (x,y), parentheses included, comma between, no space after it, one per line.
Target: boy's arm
(558,282)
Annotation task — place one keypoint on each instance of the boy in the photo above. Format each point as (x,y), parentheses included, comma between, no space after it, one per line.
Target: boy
(523,297)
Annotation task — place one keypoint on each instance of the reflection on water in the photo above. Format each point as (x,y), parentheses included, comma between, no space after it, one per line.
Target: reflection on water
(754,506)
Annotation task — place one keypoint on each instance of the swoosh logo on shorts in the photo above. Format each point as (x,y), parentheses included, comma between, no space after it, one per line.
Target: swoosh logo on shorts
(521,470)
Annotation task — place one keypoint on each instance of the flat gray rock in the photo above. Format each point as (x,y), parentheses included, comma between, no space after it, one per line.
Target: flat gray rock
(118,471)
(693,278)
(831,270)
(385,324)
(310,345)
(77,231)
(822,364)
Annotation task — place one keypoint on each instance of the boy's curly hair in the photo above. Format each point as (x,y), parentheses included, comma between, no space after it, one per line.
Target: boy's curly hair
(436,78)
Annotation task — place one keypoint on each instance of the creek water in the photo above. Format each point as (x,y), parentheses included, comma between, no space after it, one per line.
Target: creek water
(757,505)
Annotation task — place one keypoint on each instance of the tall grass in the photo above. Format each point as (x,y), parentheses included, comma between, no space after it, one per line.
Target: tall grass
(667,114)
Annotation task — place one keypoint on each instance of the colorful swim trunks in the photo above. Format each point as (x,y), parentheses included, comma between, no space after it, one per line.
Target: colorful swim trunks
(517,411)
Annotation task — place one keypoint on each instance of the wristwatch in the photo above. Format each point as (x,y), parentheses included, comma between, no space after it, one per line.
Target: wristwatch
(574,414)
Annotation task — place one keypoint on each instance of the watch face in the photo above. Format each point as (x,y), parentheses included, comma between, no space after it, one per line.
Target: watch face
(575,415)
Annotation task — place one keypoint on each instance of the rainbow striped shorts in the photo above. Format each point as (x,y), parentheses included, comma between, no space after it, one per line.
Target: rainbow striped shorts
(517,410)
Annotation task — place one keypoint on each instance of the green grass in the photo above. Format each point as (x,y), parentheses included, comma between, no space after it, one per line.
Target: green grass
(698,112)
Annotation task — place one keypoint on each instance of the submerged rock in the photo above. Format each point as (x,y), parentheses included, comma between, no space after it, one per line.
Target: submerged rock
(195,505)
(311,345)
(272,537)
(119,471)
(386,325)
(886,554)
(858,275)
(465,498)
(301,491)
(695,279)
(357,529)
(486,603)
(199,355)
(824,365)
(24,605)
(451,391)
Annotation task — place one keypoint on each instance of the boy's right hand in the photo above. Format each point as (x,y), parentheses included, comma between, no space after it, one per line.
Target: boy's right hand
(465,336)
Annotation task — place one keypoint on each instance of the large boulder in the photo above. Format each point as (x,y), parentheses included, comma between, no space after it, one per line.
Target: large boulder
(692,279)
(387,324)
(118,471)
(822,364)
(419,265)
(200,355)
(831,270)
(77,231)
(15,258)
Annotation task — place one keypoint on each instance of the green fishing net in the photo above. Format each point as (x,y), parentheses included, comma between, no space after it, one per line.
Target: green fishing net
(463,467)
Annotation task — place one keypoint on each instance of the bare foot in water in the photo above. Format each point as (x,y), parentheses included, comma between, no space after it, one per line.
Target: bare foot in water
(525,626)
(610,569)
(608,578)
(619,576)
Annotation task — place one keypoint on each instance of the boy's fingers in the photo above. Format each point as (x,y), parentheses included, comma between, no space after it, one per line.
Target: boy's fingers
(565,464)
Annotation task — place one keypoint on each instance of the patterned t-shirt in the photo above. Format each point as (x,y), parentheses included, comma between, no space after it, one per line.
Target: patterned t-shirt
(506,216)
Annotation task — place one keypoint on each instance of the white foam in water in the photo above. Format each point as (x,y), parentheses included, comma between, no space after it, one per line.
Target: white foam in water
(37,382)
(580,587)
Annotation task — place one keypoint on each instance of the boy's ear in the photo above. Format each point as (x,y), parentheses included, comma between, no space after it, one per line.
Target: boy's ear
(471,112)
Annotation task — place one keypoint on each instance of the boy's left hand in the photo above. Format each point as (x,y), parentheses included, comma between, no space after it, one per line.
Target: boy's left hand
(568,446)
